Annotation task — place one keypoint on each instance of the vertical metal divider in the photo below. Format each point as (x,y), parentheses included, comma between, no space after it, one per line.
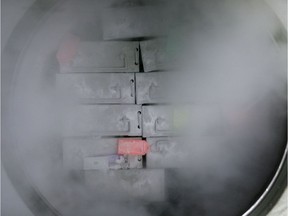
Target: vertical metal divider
(141,67)
(141,70)
(135,89)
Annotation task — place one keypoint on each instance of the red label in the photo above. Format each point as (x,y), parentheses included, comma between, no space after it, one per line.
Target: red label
(132,147)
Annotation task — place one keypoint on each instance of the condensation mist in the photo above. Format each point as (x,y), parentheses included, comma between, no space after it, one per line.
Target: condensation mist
(222,82)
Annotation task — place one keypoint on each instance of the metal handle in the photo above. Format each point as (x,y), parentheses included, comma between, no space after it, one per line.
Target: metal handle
(118,96)
(124,120)
(158,127)
(157,146)
(126,128)
(117,88)
(153,89)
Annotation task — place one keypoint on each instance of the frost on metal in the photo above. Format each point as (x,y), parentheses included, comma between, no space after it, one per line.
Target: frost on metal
(112,56)
(97,88)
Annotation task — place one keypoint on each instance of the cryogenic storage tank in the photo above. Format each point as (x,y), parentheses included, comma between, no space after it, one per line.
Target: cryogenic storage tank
(144,107)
